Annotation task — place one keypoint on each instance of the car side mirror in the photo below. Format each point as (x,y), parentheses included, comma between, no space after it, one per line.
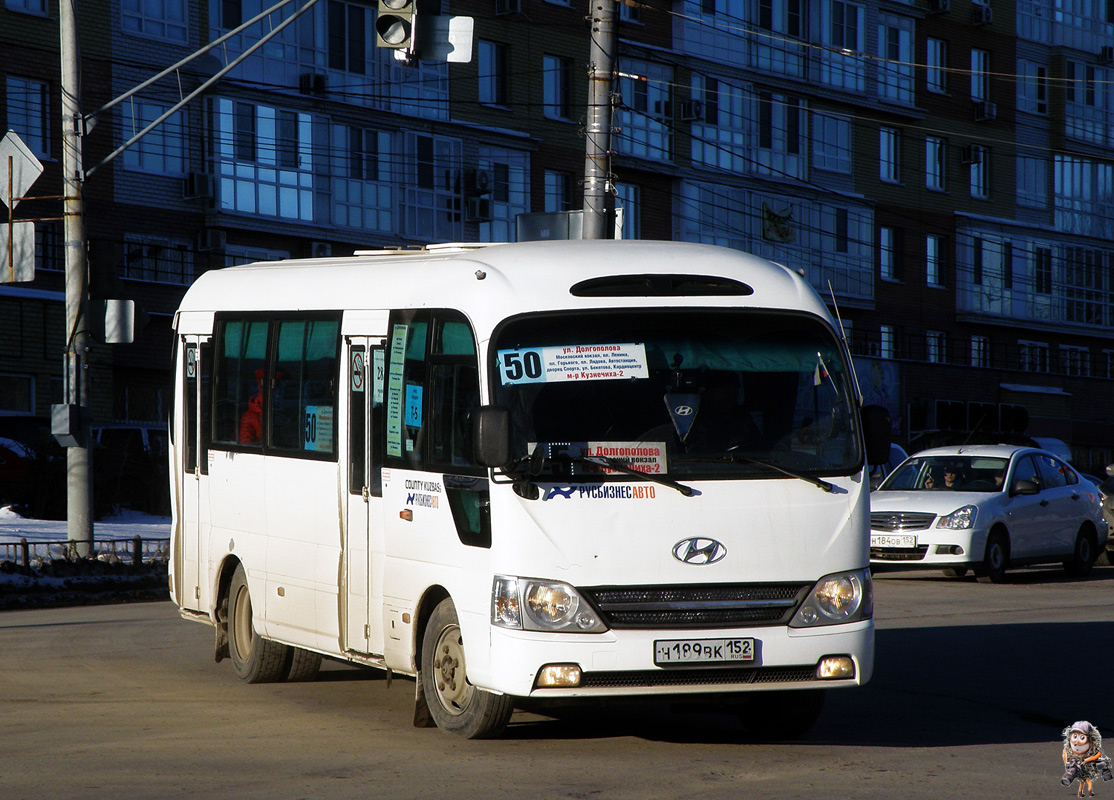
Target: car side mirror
(491,428)
(1023,487)
(876,433)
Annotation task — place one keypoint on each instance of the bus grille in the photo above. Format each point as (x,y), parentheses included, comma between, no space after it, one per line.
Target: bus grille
(703,606)
(697,677)
(900,521)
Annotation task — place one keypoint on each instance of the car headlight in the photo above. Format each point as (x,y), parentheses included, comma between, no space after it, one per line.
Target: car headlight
(959,519)
(535,605)
(835,599)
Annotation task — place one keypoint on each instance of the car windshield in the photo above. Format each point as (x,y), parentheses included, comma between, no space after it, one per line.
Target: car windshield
(684,392)
(960,473)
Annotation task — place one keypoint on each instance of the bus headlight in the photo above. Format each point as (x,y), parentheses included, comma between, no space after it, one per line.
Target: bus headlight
(534,605)
(843,597)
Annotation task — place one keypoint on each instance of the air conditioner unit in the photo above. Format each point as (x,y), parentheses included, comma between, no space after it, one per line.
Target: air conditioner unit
(313,83)
(692,110)
(982,15)
(985,111)
(1106,54)
(477,181)
(939,6)
(971,154)
(507,7)
(211,239)
(198,186)
(320,249)
(477,209)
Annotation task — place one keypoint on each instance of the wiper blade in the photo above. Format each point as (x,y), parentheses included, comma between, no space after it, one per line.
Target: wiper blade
(734,458)
(823,484)
(619,466)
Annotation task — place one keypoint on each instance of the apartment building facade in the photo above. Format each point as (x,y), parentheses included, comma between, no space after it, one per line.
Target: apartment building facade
(940,170)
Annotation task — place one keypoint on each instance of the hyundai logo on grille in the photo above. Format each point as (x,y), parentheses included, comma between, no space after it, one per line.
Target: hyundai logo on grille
(699,551)
(683,411)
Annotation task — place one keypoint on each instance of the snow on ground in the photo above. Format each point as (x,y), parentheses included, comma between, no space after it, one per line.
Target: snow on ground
(124,524)
(55,580)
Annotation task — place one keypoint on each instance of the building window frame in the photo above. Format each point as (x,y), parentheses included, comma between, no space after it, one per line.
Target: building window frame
(557,87)
(889,155)
(936,66)
(935,259)
(980,75)
(935,160)
(889,253)
(28,111)
(980,350)
(491,64)
(1032,356)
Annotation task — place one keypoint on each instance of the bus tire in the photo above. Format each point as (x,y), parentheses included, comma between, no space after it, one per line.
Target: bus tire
(304,665)
(254,659)
(454,703)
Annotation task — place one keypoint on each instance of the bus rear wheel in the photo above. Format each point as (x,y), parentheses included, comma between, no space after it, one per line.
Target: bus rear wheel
(254,659)
(454,703)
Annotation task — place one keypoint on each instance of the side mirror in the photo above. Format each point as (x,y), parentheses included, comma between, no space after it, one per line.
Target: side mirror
(876,434)
(1024,487)
(491,428)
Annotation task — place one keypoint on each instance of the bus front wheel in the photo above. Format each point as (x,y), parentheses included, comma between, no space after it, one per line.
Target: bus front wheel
(254,659)
(454,703)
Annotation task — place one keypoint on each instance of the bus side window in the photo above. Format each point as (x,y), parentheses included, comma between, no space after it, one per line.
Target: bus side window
(239,374)
(454,389)
(190,422)
(205,418)
(303,391)
(359,372)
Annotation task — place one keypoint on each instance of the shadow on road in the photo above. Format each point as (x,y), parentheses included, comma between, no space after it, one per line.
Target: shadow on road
(932,687)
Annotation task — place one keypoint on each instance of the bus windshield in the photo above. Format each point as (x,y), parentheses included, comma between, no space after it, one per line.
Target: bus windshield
(704,393)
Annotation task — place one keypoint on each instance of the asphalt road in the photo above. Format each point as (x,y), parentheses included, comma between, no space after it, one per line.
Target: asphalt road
(972,686)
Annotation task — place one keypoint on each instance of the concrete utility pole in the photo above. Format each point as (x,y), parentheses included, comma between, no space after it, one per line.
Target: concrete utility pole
(601,79)
(79,509)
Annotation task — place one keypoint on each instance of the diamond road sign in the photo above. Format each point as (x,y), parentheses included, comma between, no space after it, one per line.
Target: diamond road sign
(19,165)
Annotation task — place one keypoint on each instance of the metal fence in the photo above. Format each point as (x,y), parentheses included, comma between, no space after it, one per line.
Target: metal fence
(134,551)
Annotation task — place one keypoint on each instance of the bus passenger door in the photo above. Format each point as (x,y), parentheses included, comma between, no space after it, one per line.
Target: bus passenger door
(190,463)
(363,531)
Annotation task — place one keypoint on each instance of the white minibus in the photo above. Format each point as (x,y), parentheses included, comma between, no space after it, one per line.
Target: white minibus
(524,473)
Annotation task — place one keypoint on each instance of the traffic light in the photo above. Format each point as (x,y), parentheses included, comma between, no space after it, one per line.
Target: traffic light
(394,27)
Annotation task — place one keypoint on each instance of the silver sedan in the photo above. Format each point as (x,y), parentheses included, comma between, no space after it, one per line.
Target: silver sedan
(986,508)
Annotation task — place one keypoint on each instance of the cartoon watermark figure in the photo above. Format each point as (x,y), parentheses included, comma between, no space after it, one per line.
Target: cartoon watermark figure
(1083,758)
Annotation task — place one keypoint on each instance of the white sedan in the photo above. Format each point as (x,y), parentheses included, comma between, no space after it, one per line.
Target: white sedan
(985,507)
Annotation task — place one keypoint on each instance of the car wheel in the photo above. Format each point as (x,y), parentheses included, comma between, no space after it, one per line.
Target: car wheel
(254,659)
(995,560)
(780,715)
(955,572)
(1083,556)
(454,703)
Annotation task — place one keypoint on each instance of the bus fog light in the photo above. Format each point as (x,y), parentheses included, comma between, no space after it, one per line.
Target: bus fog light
(833,667)
(558,676)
